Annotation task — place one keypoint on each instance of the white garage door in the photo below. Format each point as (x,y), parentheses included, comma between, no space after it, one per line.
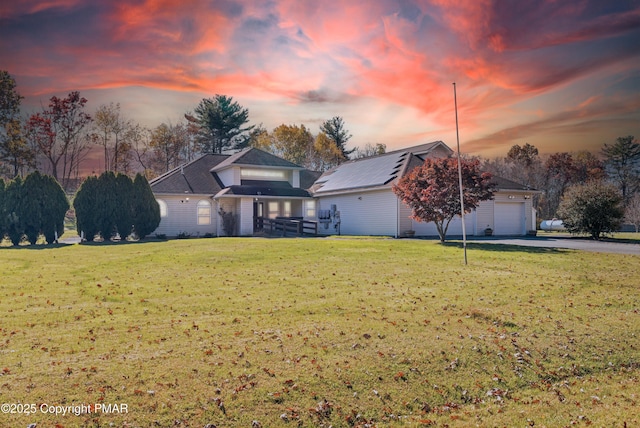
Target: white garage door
(509,218)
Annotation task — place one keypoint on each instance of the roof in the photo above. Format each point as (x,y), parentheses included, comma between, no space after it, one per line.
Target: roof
(255,157)
(374,171)
(505,184)
(193,177)
(264,188)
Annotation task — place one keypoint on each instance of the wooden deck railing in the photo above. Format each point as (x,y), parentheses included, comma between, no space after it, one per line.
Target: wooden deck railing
(284,226)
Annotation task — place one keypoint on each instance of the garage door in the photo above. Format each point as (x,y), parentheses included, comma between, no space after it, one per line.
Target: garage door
(509,218)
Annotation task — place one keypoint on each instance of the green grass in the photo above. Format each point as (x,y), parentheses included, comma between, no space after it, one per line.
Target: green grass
(320,332)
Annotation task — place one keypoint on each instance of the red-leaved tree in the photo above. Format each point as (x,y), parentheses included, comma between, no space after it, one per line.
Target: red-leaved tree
(432,190)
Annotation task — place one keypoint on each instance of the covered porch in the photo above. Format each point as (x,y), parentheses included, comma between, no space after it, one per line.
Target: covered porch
(264,210)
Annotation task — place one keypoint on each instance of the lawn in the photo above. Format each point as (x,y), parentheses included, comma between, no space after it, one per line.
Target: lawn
(318,332)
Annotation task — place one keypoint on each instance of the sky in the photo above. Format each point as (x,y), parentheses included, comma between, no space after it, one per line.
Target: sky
(561,75)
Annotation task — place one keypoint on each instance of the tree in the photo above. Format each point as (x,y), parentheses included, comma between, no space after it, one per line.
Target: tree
(525,155)
(43,207)
(59,134)
(632,212)
(432,190)
(32,206)
(325,154)
(560,173)
(107,206)
(290,142)
(10,99)
(3,210)
(221,123)
(622,162)
(167,143)
(14,210)
(14,149)
(112,126)
(57,205)
(335,130)
(13,145)
(370,150)
(84,204)
(124,210)
(593,208)
(526,161)
(146,211)
(588,167)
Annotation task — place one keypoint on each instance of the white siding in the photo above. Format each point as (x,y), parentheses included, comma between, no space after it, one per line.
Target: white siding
(363,213)
(246,217)
(455,227)
(182,216)
(484,216)
(230,176)
(404,220)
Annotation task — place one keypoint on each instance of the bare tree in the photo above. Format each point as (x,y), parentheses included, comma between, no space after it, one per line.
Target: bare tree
(113,129)
(632,212)
(59,133)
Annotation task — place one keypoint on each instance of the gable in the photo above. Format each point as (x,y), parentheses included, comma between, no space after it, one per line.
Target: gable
(255,157)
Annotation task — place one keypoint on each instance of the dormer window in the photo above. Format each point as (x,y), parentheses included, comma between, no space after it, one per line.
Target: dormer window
(263,174)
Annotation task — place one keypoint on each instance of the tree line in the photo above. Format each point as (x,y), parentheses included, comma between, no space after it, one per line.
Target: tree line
(58,139)
(556,174)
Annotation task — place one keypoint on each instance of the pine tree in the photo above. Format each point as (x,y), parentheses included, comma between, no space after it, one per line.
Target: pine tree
(146,211)
(124,208)
(56,206)
(84,203)
(32,206)
(107,205)
(3,211)
(15,214)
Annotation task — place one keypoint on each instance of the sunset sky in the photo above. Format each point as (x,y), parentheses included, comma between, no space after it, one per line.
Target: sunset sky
(561,75)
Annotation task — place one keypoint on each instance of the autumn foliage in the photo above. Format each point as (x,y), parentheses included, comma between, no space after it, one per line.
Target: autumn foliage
(432,190)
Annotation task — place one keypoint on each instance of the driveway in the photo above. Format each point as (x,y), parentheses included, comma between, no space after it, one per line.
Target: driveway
(564,242)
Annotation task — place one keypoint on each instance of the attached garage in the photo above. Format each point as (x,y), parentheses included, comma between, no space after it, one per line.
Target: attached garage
(509,218)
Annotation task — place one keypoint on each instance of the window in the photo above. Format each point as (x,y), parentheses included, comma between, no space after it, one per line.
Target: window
(310,210)
(204,212)
(163,207)
(263,174)
(274,209)
(287,209)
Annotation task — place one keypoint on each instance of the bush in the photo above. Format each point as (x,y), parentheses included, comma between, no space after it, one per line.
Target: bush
(146,211)
(229,222)
(594,208)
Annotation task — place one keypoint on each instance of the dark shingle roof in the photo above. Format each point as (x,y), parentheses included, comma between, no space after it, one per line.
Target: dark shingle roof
(265,188)
(193,177)
(504,184)
(307,178)
(257,157)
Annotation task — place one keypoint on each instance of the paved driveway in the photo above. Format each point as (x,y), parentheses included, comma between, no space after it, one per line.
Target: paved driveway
(565,242)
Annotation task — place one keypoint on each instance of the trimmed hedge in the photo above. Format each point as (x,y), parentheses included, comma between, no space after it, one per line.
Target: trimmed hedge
(113,204)
(32,207)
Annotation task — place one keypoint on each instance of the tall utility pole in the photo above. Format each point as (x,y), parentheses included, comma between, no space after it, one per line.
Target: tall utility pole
(464,231)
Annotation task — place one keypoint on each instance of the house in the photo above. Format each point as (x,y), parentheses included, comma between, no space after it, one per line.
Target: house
(355,198)
(249,184)
(360,193)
